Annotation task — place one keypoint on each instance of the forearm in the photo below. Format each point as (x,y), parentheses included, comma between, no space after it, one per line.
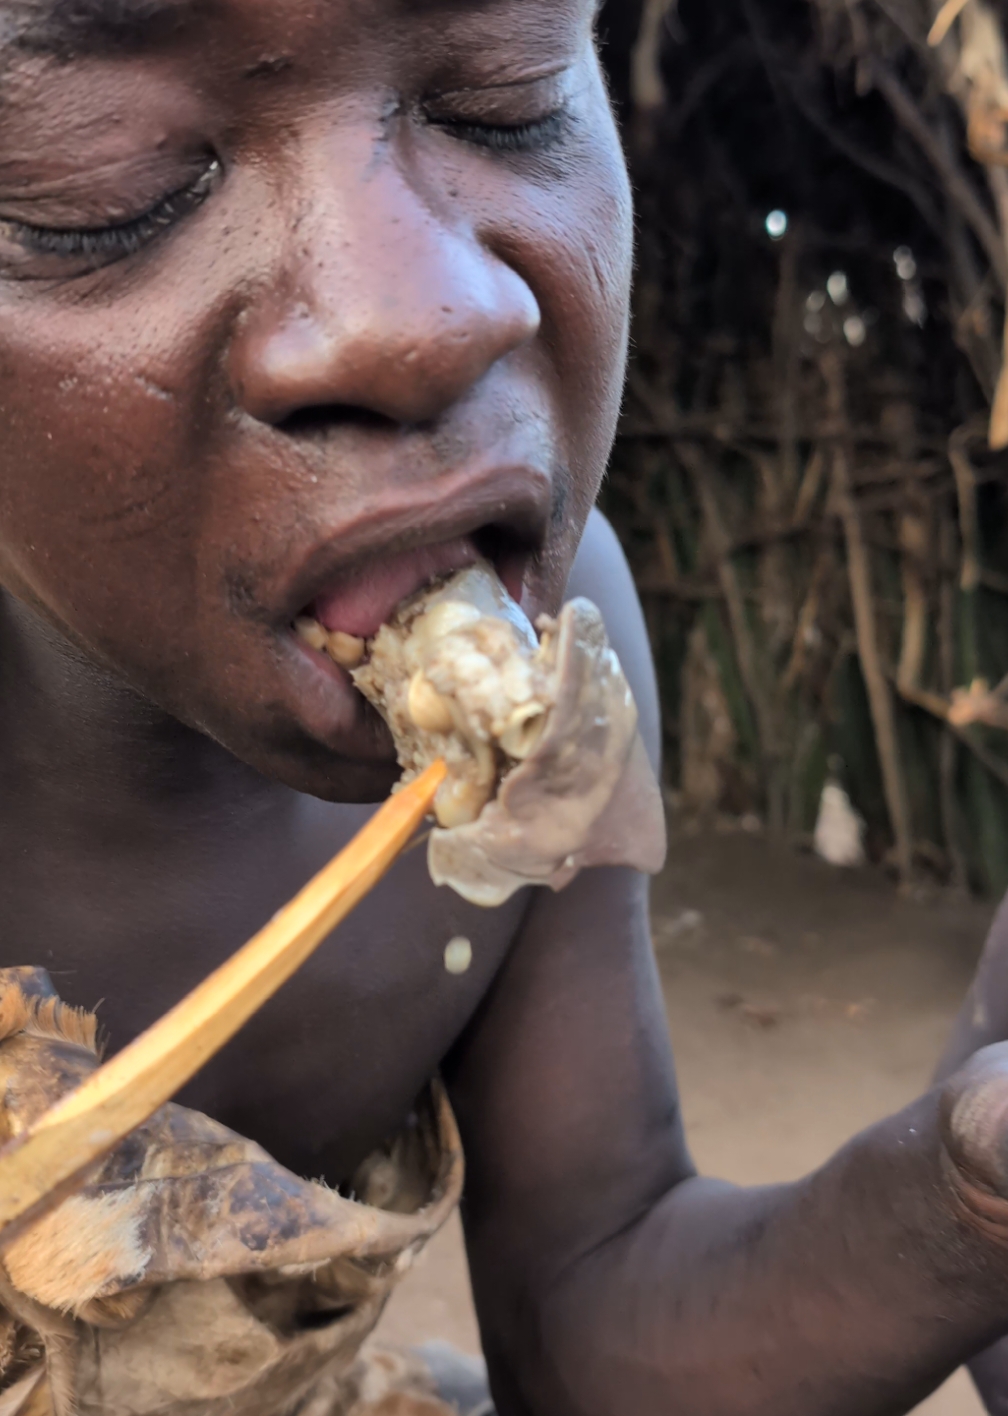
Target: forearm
(856,1290)
(982,1020)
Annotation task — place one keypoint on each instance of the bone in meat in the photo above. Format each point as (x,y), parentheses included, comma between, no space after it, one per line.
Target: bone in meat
(547,770)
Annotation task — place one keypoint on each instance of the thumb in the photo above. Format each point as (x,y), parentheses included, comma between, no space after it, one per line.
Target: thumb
(974,1121)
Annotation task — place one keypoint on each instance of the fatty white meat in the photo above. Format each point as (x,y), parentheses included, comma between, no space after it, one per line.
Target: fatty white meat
(547,772)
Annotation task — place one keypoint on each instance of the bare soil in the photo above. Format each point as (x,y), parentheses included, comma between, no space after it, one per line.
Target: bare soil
(804,1003)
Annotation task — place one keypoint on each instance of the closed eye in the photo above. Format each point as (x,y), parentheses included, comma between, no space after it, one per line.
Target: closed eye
(102,245)
(538,135)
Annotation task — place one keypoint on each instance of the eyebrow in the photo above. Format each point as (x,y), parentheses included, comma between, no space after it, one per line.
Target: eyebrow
(70,28)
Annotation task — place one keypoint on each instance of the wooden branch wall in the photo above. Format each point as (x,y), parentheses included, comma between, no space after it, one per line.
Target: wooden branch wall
(811,472)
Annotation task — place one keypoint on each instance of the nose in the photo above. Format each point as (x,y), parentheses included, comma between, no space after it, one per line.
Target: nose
(383,307)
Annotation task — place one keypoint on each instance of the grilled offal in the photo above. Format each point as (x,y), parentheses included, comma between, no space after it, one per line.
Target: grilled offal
(547,770)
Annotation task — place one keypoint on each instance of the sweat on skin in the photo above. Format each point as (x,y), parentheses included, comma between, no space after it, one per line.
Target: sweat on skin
(297,299)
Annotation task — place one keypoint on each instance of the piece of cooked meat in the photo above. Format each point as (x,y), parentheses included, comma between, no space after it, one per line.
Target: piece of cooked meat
(547,772)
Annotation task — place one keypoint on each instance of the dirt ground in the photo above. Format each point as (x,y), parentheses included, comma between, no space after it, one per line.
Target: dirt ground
(804,1003)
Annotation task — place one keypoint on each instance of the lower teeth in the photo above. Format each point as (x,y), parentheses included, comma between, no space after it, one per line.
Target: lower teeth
(346,650)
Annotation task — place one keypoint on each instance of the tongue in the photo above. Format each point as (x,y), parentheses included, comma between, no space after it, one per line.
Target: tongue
(361,604)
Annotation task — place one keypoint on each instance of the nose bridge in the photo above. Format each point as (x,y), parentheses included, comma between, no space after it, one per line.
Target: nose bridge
(392,307)
(399,254)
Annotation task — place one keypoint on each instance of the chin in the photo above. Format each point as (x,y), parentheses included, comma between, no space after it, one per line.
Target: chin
(351,772)
(310,731)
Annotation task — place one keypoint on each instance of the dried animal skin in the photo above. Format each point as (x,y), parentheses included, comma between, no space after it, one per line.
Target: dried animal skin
(547,770)
(191,1275)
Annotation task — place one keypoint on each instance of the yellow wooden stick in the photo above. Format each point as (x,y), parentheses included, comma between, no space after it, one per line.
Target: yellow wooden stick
(42,1163)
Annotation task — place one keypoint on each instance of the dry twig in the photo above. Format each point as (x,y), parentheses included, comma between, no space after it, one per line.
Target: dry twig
(862,599)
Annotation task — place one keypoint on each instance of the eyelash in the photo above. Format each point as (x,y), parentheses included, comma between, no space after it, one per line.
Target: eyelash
(536,136)
(107,243)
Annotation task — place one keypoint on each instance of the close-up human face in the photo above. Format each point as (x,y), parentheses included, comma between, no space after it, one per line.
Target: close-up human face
(302,302)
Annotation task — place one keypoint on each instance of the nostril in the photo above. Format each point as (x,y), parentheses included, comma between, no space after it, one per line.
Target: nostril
(313,424)
(378,345)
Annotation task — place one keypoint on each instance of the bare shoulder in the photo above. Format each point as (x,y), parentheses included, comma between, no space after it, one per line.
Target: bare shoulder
(601,574)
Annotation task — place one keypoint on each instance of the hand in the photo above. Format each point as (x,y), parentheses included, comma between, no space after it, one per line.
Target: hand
(974,1133)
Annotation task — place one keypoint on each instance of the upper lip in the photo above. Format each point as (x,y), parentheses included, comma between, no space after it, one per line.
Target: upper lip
(511,503)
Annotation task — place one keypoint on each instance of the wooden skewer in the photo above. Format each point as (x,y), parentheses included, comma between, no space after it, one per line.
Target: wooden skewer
(41,1164)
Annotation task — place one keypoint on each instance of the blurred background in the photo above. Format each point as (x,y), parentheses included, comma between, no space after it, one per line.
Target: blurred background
(810,482)
(804,478)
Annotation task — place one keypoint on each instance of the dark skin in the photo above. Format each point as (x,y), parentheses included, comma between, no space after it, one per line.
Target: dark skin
(982,1023)
(379,303)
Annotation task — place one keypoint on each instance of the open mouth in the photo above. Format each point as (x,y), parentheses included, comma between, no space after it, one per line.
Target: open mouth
(353,606)
(544,770)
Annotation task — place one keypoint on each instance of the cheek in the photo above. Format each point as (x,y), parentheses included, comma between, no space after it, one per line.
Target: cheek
(98,443)
(578,259)
(590,323)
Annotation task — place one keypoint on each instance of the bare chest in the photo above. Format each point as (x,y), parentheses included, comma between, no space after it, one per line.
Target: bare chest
(334,1062)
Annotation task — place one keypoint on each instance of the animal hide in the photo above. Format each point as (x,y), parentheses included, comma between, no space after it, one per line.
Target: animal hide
(191,1275)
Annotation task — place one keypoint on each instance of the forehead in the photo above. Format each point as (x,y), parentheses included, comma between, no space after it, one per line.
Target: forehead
(74,28)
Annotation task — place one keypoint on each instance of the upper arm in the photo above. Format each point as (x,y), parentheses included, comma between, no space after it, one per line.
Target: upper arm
(564,1085)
